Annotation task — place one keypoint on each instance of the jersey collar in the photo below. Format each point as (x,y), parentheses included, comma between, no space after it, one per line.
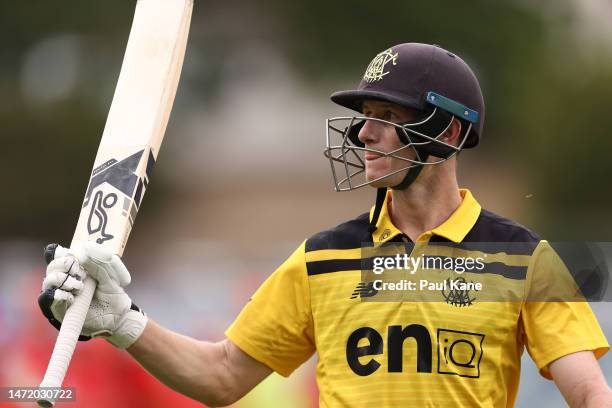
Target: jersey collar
(455,228)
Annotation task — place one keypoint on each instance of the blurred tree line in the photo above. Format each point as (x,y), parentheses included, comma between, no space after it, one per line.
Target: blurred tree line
(548,101)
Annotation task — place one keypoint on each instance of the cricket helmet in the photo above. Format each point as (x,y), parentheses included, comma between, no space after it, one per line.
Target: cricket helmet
(436,83)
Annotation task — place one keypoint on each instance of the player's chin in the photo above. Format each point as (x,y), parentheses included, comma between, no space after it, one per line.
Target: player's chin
(378,180)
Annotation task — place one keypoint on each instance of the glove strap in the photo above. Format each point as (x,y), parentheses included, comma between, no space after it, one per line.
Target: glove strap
(130,328)
(45,299)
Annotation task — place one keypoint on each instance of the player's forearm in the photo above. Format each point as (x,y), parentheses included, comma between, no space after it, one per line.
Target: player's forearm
(191,367)
(590,397)
(581,381)
(603,398)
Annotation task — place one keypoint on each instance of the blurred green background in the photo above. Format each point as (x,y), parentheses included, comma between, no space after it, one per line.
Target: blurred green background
(546,71)
(241,179)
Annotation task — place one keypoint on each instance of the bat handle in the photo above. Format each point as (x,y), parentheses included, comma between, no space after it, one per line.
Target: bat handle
(67,340)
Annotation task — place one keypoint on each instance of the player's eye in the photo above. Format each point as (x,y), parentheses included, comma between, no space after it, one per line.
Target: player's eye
(389,115)
(384,115)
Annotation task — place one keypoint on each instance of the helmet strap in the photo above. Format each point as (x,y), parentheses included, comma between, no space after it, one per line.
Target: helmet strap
(412,174)
(381,194)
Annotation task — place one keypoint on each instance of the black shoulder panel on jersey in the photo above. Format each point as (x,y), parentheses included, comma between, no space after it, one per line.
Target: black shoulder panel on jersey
(513,238)
(491,227)
(348,235)
(493,233)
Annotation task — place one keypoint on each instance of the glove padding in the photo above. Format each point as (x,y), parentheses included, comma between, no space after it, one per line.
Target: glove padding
(112,314)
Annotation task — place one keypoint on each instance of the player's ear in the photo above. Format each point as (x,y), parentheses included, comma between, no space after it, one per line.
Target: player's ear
(453,133)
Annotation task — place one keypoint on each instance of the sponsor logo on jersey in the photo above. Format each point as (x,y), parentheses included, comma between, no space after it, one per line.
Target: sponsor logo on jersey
(459,353)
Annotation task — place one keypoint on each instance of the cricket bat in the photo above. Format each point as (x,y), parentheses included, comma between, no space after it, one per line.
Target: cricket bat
(128,150)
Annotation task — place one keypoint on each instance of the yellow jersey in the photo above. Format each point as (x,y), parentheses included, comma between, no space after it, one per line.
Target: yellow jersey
(454,352)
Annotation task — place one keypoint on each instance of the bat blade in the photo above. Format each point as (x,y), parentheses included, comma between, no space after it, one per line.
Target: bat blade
(128,150)
(136,122)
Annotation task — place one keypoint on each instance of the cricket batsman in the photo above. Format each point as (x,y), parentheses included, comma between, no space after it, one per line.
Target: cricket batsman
(418,106)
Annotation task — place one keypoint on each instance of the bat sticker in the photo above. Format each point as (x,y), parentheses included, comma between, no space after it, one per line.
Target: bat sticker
(97,216)
(123,177)
(118,174)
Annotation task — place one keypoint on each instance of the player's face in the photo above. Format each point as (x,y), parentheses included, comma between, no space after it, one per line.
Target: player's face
(383,137)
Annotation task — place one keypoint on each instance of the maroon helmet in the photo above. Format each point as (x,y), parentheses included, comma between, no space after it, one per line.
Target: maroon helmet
(437,84)
(406,73)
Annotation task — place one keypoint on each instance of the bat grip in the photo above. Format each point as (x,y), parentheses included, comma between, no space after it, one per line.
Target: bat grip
(67,340)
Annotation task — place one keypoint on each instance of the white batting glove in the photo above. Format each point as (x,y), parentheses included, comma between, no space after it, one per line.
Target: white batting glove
(111,315)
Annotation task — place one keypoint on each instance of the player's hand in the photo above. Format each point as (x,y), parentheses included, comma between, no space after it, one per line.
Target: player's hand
(112,314)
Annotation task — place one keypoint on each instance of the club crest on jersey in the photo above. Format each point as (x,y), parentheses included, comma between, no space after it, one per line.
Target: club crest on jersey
(376,69)
(457,293)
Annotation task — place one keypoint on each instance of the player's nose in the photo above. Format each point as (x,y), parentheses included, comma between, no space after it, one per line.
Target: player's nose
(369,132)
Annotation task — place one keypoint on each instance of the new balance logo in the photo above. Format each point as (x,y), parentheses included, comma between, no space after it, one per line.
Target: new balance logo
(364,290)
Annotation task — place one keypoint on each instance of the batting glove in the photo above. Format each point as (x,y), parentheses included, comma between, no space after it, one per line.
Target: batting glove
(112,314)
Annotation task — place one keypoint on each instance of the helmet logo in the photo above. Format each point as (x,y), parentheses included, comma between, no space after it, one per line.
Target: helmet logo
(376,69)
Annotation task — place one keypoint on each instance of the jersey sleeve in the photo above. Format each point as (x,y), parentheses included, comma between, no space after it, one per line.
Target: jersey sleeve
(276,326)
(554,320)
